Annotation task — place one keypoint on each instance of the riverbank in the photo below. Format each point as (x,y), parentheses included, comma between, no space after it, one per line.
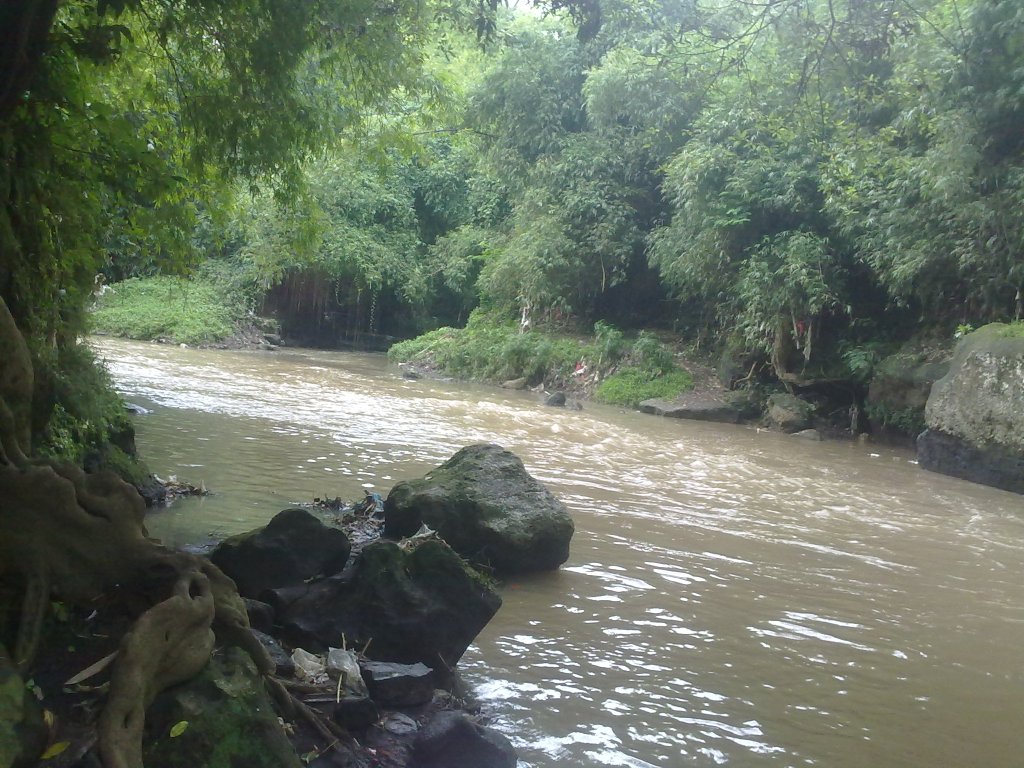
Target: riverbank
(606,365)
(574,364)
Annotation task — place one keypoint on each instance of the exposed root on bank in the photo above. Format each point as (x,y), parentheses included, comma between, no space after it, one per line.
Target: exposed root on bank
(78,538)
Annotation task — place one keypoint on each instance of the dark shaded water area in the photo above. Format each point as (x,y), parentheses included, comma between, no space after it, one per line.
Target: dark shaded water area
(733,597)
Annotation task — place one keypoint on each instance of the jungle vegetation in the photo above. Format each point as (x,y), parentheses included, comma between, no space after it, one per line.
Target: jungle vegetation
(804,182)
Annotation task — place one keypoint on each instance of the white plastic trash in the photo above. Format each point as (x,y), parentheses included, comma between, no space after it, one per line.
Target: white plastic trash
(309,666)
(342,664)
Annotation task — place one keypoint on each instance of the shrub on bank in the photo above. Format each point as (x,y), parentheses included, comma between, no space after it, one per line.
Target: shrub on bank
(631,386)
(174,308)
(493,349)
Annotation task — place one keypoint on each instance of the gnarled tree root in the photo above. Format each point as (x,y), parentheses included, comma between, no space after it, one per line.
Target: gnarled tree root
(170,643)
(81,537)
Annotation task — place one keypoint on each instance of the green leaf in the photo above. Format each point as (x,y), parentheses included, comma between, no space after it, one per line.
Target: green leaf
(55,749)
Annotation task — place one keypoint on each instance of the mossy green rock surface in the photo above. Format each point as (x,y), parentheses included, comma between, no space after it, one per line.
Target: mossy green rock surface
(419,602)
(789,413)
(900,388)
(981,399)
(229,721)
(975,414)
(484,503)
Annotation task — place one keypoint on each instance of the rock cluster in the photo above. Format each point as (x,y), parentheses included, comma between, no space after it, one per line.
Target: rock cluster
(407,604)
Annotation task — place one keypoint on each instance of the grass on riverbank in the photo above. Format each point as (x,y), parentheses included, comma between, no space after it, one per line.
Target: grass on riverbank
(177,309)
(607,365)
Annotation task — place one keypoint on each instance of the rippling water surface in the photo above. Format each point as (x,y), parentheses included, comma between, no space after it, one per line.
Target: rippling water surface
(733,597)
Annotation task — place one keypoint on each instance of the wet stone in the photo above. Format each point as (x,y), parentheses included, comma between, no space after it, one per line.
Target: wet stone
(398,685)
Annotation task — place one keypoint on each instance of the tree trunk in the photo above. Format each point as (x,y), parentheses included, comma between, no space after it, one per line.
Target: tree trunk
(24,28)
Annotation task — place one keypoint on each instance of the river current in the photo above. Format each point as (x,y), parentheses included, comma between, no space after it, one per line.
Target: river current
(733,596)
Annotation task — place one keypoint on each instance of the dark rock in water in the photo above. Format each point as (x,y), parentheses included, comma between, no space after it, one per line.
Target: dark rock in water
(555,399)
(285,667)
(292,548)
(808,434)
(356,712)
(398,685)
(975,414)
(229,721)
(989,465)
(23,732)
(789,413)
(454,740)
(261,615)
(422,604)
(698,409)
(153,492)
(488,508)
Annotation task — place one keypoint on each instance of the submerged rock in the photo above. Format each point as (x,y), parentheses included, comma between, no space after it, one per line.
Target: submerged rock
(484,503)
(423,604)
(555,400)
(695,408)
(291,549)
(808,434)
(454,740)
(975,414)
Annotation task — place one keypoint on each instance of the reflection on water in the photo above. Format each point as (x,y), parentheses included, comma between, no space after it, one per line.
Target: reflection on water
(734,597)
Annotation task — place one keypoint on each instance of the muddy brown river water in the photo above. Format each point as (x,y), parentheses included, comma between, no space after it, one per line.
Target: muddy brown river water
(733,597)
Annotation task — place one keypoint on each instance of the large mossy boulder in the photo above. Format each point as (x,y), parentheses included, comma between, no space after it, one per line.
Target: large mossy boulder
(484,503)
(418,602)
(900,388)
(789,413)
(222,718)
(289,550)
(975,414)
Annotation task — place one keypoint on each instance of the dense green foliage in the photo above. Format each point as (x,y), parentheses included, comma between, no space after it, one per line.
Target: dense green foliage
(807,182)
(815,180)
(130,130)
(173,309)
(634,385)
(76,411)
(490,349)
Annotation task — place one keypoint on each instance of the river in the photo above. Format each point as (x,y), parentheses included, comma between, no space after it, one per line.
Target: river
(733,597)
